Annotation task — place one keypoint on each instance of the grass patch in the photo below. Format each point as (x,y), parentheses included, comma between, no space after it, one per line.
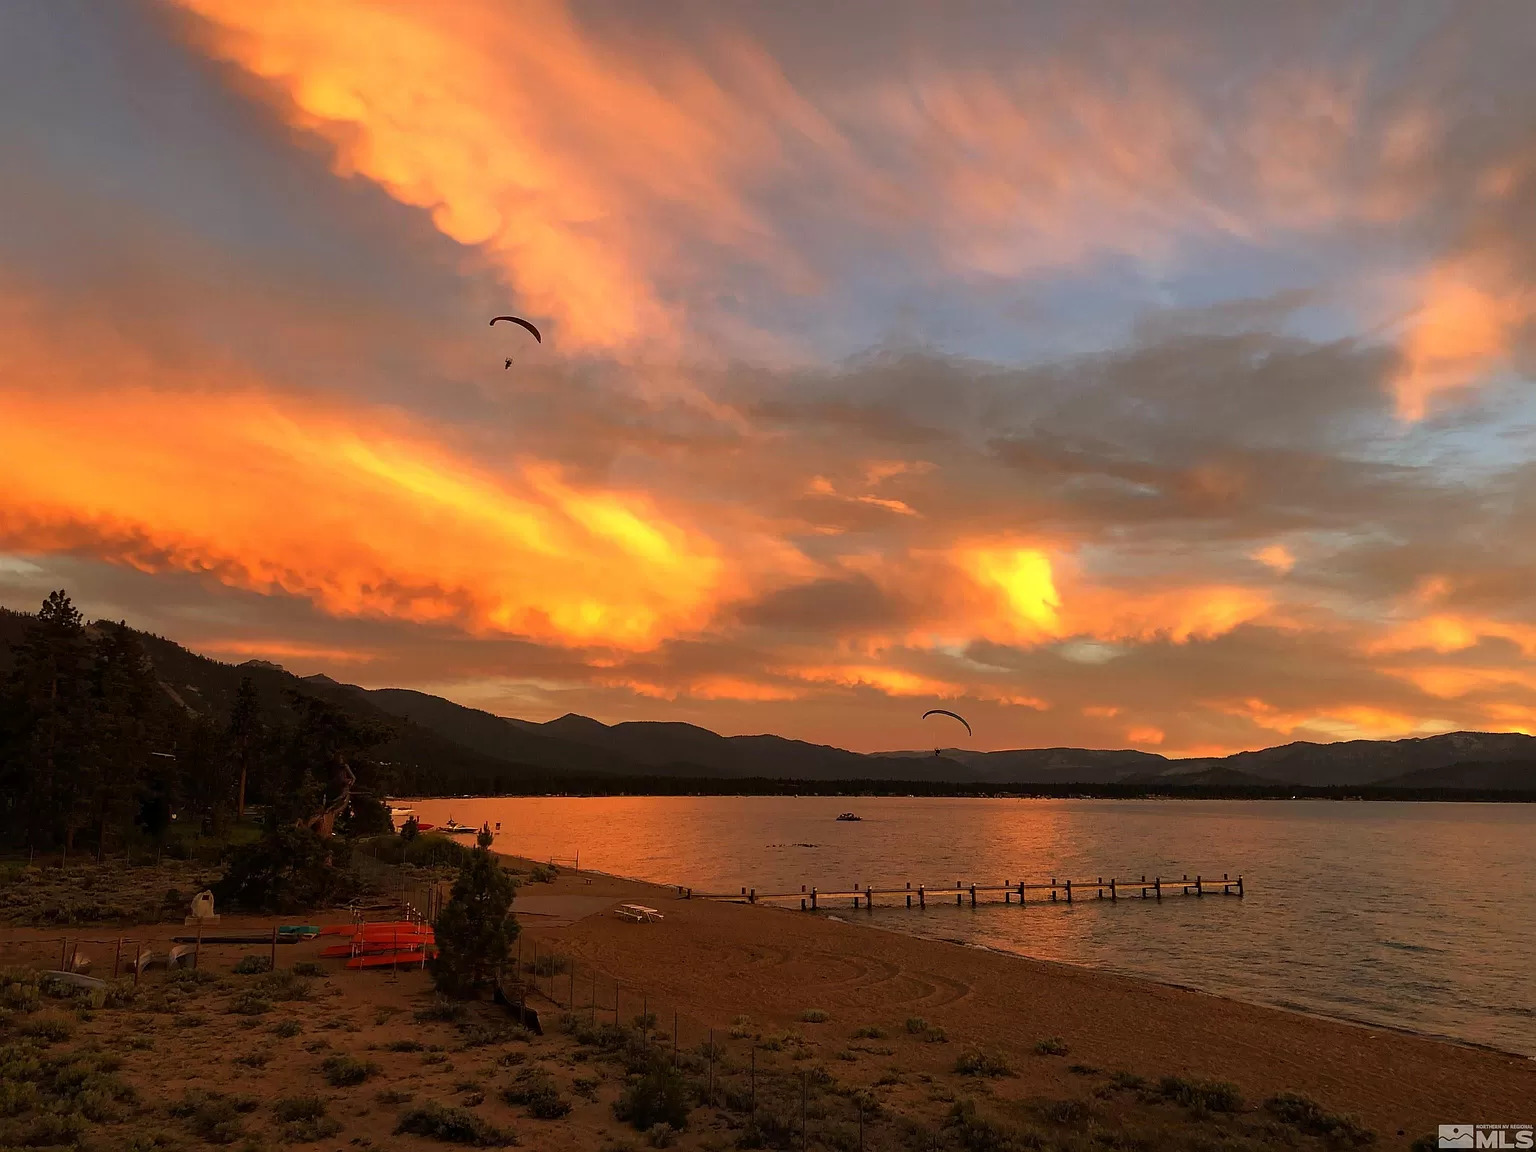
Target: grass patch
(250,1003)
(868,1032)
(1052,1046)
(1307,1115)
(212,1116)
(446,1011)
(304,1120)
(345,1071)
(307,968)
(257,1059)
(1201,1095)
(982,1064)
(404,1046)
(253,965)
(814,1016)
(453,1126)
(287,1029)
(49,1029)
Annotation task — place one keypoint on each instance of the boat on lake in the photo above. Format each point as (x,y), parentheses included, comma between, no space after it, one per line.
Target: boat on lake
(849,816)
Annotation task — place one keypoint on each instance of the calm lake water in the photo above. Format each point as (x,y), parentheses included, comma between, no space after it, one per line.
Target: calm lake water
(1413,916)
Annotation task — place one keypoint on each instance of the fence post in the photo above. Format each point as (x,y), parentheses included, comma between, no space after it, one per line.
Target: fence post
(922,896)
(1053,889)
(909,893)
(272,964)
(1069,891)
(813,899)
(1021,904)
(1112,896)
(869,898)
(1239,885)
(1101,887)
(973,895)
(1199,890)
(197,950)
(117,957)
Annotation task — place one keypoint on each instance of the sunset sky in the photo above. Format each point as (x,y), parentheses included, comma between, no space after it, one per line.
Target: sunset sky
(1139,375)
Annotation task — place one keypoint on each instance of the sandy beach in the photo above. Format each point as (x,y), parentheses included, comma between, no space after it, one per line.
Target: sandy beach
(718,961)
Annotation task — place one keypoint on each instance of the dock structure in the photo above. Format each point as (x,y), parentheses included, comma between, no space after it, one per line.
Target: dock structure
(1063,890)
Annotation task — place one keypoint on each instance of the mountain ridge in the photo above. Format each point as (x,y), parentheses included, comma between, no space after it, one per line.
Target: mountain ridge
(438,742)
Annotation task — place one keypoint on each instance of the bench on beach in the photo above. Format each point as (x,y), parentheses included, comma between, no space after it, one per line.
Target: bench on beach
(637,913)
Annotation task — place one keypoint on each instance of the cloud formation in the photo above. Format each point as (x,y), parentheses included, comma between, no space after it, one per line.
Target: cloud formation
(1155,380)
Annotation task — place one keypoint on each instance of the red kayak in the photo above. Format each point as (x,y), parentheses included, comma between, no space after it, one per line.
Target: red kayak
(390,959)
(375,947)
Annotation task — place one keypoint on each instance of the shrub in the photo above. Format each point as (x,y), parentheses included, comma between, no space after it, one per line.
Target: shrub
(211,1116)
(1052,1046)
(307,968)
(1309,1116)
(344,1071)
(250,1003)
(440,1009)
(814,1016)
(253,1059)
(287,1028)
(47,1028)
(535,1090)
(393,1097)
(982,1064)
(543,873)
(404,1046)
(253,965)
(658,1097)
(868,1032)
(1201,1095)
(916,1025)
(452,1126)
(1068,1113)
(304,1119)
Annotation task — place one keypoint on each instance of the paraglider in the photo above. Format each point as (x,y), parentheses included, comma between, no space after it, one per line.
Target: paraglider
(524,323)
(952,715)
(947,712)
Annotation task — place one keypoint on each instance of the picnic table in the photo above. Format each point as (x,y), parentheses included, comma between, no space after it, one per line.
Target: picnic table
(638,913)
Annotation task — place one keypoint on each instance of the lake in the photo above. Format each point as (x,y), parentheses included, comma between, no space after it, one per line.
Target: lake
(1412,916)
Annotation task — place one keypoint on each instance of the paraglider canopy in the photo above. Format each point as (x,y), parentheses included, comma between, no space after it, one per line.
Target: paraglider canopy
(524,323)
(947,712)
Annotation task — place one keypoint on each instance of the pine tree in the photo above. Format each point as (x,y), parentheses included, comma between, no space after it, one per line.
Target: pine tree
(49,705)
(475,929)
(244,735)
(126,719)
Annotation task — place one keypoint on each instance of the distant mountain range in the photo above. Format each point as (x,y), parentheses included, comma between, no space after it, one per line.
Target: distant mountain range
(440,746)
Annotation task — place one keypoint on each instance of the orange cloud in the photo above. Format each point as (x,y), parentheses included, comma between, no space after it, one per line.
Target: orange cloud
(276,650)
(1464,327)
(1449,682)
(1101,711)
(565,160)
(1276,557)
(1448,632)
(353,508)
(1144,734)
(1341,722)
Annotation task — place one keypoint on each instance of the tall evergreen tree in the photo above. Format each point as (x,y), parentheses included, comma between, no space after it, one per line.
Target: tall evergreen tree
(49,702)
(475,929)
(127,721)
(243,738)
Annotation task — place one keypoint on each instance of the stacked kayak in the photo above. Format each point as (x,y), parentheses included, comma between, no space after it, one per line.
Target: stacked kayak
(382,945)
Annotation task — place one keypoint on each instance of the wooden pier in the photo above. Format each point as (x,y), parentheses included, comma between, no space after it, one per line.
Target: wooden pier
(1056,891)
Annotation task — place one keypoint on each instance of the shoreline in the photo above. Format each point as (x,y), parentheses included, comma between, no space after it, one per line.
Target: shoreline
(1296,1010)
(719,961)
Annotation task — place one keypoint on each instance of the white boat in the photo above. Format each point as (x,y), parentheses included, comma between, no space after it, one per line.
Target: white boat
(454,828)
